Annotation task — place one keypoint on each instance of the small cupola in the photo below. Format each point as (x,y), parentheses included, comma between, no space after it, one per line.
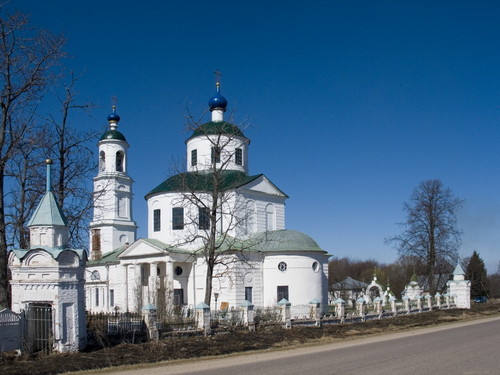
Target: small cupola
(112,133)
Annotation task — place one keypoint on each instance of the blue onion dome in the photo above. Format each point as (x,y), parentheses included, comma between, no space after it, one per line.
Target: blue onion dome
(112,133)
(113,117)
(217,101)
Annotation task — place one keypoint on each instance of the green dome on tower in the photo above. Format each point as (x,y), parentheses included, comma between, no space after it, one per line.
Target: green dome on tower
(113,135)
(217,127)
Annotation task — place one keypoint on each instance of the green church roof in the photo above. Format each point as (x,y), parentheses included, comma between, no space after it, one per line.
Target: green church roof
(54,252)
(48,212)
(202,181)
(113,135)
(458,270)
(217,127)
(283,241)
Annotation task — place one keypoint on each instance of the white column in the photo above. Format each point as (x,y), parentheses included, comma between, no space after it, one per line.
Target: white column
(170,284)
(152,290)
(125,273)
(136,295)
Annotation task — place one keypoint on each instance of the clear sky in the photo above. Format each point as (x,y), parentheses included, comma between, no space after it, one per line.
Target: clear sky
(351,104)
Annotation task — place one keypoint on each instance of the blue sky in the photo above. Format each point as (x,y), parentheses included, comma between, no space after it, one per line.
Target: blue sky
(350,104)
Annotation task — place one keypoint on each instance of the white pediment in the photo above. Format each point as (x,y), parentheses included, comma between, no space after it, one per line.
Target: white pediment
(263,185)
(142,248)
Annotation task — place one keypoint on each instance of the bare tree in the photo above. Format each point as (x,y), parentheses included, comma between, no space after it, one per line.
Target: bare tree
(215,211)
(431,233)
(74,164)
(73,167)
(26,183)
(28,59)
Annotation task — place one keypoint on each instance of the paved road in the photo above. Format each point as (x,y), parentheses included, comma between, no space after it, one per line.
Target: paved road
(463,348)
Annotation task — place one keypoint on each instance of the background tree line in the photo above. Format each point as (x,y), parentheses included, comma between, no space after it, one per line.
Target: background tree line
(398,274)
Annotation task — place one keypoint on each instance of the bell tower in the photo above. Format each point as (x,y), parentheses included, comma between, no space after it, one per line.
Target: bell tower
(112,225)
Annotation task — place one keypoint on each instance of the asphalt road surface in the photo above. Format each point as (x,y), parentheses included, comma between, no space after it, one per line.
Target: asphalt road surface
(462,348)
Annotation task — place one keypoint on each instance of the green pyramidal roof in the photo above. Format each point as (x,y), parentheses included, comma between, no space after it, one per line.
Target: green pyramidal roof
(458,270)
(202,181)
(48,212)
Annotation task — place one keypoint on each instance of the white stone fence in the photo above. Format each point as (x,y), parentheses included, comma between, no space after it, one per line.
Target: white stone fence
(313,315)
(11,331)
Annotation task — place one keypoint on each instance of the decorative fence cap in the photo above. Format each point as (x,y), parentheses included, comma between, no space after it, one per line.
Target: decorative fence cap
(406,298)
(418,296)
(392,298)
(246,304)
(315,302)
(377,299)
(339,300)
(360,300)
(437,295)
(202,306)
(148,307)
(285,302)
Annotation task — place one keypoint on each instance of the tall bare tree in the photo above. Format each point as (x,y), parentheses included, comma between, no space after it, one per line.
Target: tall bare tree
(74,163)
(215,211)
(26,183)
(430,231)
(28,62)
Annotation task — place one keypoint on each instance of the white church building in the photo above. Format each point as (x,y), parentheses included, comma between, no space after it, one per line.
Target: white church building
(258,259)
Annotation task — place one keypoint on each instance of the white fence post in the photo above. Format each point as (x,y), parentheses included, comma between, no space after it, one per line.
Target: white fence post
(285,312)
(316,311)
(392,300)
(418,297)
(438,300)
(248,315)
(361,304)
(378,305)
(149,316)
(203,316)
(429,301)
(406,301)
(340,304)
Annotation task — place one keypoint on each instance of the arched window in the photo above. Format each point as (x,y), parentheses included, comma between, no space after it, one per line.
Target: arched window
(270,217)
(119,161)
(102,161)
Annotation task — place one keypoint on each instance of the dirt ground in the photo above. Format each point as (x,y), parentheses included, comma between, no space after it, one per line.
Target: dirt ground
(264,338)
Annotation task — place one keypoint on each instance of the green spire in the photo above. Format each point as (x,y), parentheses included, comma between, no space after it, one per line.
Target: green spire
(48,211)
